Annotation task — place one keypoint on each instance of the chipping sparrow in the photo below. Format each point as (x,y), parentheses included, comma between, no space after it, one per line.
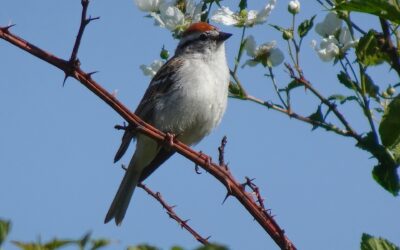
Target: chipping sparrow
(187,98)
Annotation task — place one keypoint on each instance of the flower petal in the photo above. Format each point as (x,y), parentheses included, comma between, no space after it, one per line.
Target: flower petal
(225,16)
(171,16)
(276,57)
(250,46)
(264,13)
(149,5)
(329,25)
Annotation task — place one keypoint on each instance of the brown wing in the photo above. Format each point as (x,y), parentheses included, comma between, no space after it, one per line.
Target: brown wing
(159,86)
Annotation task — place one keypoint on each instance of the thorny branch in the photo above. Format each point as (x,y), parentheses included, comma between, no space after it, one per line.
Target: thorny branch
(173,215)
(222,174)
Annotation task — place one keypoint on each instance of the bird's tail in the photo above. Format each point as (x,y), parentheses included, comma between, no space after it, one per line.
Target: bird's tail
(124,194)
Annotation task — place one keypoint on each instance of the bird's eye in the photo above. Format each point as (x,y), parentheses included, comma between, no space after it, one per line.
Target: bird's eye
(203,36)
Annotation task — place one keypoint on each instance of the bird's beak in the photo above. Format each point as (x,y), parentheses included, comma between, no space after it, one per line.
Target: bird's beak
(223,36)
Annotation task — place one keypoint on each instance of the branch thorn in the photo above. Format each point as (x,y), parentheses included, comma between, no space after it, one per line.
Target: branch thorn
(6,28)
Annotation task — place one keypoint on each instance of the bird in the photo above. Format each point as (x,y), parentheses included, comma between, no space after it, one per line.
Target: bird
(186,98)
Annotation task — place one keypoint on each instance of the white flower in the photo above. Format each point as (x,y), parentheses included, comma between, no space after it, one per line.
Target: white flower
(267,54)
(336,40)
(327,49)
(194,11)
(330,47)
(346,40)
(172,18)
(149,5)
(151,70)
(227,17)
(329,26)
(294,7)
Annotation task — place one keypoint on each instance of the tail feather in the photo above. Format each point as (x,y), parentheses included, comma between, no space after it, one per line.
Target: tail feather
(126,141)
(124,194)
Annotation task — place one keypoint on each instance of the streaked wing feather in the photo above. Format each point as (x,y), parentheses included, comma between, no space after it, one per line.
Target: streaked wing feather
(159,86)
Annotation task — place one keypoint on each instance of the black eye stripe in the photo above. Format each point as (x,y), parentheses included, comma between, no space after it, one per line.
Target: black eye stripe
(203,36)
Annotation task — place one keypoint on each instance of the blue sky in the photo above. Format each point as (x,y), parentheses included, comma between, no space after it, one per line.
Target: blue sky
(57,143)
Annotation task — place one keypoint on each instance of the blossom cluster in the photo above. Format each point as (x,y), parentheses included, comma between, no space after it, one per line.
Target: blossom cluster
(226,16)
(336,40)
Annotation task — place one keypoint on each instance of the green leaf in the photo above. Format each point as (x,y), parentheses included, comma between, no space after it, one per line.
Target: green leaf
(387,177)
(342,99)
(317,116)
(305,27)
(242,4)
(385,173)
(5,227)
(236,91)
(177,248)
(292,85)
(142,247)
(371,88)
(349,98)
(367,143)
(381,8)
(278,28)
(346,80)
(212,247)
(84,240)
(369,242)
(368,50)
(389,128)
(56,244)
(99,243)
(51,245)
(337,98)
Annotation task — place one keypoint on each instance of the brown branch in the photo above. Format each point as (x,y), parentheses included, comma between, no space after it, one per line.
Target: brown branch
(299,117)
(388,47)
(173,215)
(225,177)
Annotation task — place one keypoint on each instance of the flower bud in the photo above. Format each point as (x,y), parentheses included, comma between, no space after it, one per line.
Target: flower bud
(164,54)
(391,91)
(294,7)
(287,34)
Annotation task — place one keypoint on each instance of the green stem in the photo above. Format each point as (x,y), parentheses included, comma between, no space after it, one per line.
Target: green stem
(240,52)
(271,74)
(367,110)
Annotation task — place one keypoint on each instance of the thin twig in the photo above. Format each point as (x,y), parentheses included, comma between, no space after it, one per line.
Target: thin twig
(271,74)
(84,22)
(170,211)
(291,114)
(221,152)
(325,101)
